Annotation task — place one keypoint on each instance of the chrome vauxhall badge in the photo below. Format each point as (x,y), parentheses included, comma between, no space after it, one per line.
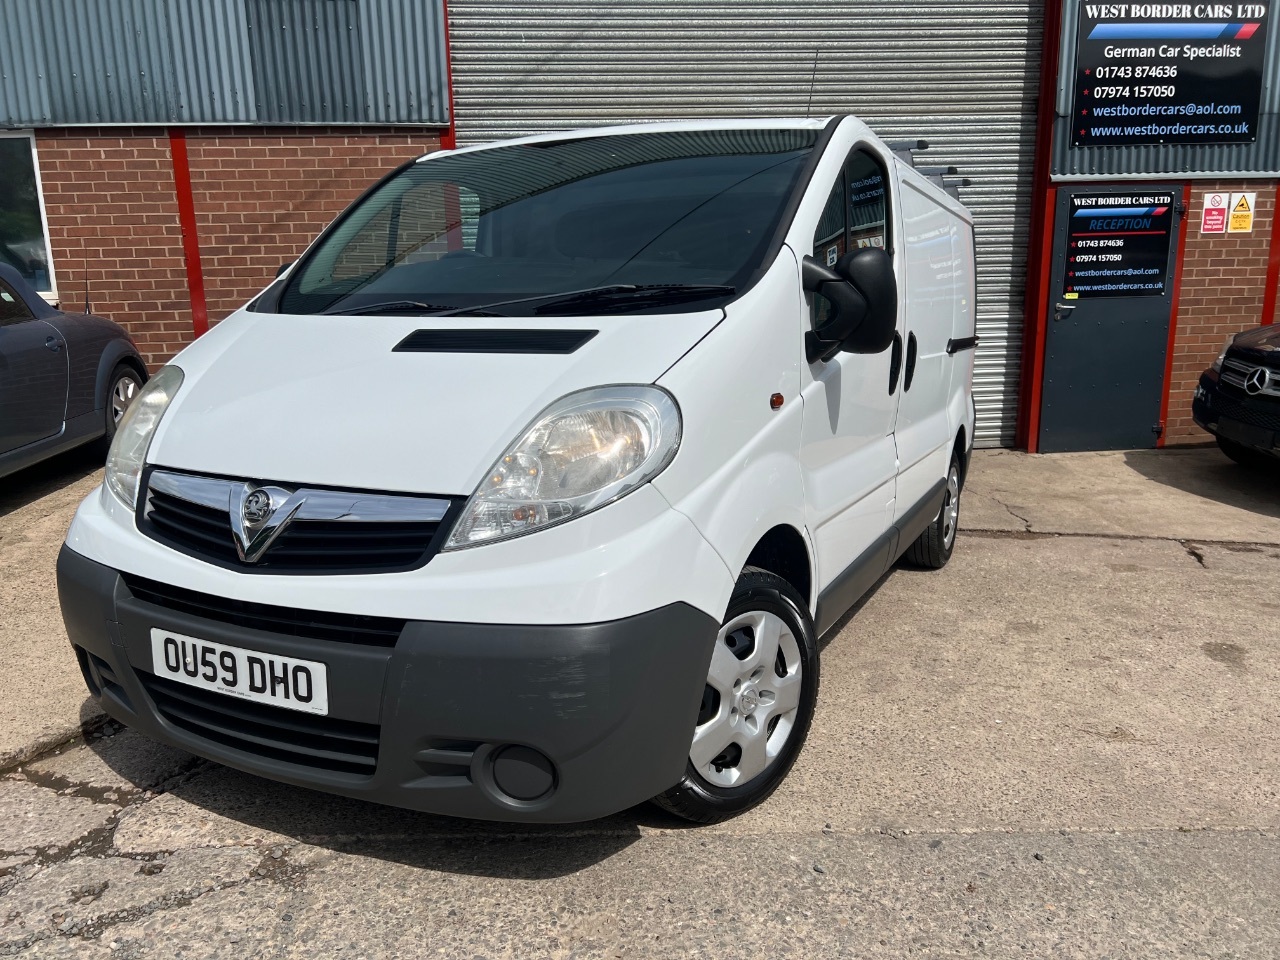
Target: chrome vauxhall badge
(259,515)
(257,507)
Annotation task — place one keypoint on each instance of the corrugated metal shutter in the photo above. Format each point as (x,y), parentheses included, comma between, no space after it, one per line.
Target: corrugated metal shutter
(963,76)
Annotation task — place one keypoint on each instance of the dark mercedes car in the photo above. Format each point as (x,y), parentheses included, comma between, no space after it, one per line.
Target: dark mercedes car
(65,378)
(1238,399)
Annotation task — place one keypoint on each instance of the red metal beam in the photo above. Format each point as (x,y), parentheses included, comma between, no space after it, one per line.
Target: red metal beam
(1173,314)
(190,237)
(449,139)
(1273,266)
(1037,327)
(1040,251)
(452,217)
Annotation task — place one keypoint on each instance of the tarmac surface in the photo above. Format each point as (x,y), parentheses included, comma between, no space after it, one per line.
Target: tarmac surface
(1062,745)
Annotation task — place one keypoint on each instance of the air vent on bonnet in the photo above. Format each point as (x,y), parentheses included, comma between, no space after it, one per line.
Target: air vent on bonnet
(494,341)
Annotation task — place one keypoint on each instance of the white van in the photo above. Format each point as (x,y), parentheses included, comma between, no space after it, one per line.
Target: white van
(527,492)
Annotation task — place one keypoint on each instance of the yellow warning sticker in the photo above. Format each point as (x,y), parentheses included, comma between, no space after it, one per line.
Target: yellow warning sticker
(1242,208)
(1071,296)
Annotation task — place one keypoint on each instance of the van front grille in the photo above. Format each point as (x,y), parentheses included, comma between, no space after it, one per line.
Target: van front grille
(284,621)
(330,531)
(201,531)
(322,743)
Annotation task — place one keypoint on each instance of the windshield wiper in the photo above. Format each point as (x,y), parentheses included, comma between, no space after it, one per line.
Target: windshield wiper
(402,306)
(481,310)
(668,292)
(478,310)
(660,292)
(674,292)
(385,306)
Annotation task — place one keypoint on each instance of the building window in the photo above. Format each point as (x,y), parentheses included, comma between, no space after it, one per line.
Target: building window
(24,232)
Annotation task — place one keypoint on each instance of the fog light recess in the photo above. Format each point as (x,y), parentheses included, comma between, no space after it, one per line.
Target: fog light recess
(523,773)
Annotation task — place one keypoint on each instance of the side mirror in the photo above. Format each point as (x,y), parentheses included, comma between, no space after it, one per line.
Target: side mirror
(283,268)
(870,271)
(846,309)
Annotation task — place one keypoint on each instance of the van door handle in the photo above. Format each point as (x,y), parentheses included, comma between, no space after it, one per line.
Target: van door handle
(913,350)
(54,343)
(1062,308)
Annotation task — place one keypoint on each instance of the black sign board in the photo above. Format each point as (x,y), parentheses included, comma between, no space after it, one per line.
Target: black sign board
(1118,246)
(1169,73)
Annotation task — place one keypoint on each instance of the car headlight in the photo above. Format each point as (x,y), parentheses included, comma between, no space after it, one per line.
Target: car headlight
(584,451)
(1217,364)
(133,436)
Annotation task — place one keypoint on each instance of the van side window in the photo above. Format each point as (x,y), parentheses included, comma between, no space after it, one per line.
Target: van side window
(867,212)
(830,241)
(831,238)
(856,215)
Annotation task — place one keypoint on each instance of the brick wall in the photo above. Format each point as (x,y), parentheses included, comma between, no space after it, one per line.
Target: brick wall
(260,196)
(1223,287)
(113,224)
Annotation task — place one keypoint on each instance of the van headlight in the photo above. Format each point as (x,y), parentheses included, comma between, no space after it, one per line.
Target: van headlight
(584,451)
(133,436)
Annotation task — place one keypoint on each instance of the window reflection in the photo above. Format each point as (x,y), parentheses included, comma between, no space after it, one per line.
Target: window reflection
(22,241)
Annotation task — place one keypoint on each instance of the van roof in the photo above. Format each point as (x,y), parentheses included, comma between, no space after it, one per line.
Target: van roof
(906,174)
(660,126)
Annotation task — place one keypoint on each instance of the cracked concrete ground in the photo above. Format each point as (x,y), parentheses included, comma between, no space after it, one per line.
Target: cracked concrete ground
(1063,744)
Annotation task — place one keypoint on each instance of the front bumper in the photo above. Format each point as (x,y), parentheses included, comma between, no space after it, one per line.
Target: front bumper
(1229,413)
(438,711)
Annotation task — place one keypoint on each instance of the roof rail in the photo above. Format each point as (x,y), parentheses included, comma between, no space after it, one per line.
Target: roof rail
(906,149)
(945,177)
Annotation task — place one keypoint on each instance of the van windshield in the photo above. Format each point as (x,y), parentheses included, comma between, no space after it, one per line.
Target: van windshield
(659,222)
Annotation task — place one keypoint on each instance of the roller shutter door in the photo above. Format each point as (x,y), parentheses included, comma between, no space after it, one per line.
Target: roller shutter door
(963,76)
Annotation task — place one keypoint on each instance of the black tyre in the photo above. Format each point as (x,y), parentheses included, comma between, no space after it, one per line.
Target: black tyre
(758,704)
(932,548)
(1247,456)
(122,389)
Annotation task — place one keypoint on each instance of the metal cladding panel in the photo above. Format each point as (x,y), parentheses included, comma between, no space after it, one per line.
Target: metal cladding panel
(402,82)
(962,76)
(24,83)
(107,62)
(78,62)
(306,60)
(1260,158)
(213,77)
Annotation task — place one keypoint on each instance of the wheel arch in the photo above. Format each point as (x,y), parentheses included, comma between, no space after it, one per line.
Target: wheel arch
(785,551)
(961,450)
(755,517)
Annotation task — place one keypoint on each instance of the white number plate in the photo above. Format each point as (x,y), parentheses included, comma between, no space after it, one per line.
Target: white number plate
(248,674)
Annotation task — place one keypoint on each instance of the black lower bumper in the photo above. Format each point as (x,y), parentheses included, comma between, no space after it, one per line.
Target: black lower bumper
(497,722)
(1250,421)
